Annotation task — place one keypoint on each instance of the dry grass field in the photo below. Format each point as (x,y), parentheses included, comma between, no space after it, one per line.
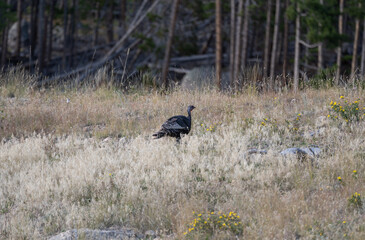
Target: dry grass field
(86,159)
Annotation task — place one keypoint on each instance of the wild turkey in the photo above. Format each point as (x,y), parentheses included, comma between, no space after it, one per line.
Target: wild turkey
(175,126)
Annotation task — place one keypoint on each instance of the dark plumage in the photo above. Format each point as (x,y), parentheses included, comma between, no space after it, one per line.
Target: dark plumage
(175,126)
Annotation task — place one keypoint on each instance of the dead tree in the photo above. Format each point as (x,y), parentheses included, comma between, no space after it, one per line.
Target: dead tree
(297,49)
(286,33)
(49,30)
(218,42)
(267,38)
(34,27)
(238,47)
(232,41)
(362,67)
(274,46)
(320,51)
(166,63)
(19,30)
(5,41)
(354,52)
(122,19)
(109,21)
(65,33)
(339,48)
(245,34)
(41,34)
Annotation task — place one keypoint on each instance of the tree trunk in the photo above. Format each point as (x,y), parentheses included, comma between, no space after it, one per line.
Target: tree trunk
(165,68)
(267,38)
(286,30)
(245,34)
(320,52)
(362,68)
(110,20)
(297,49)
(73,34)
(65,34)
(354,52)
(232,42)
(97,21)
(5,42)
(34,27)
(4,47)
(122,19)
(50,29)
(19,30)
(274,46)
(218,42)
(41,33)
(339,49)
(237,58)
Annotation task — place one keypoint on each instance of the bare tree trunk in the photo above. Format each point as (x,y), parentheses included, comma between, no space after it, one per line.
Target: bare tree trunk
(19,30)
(286,30)
(165,68)
(65,34)
(245,34)
(122,20)
(96,29)
(41,33)
(232,42)
(4,46)
(274,46)
(50,29)
(237,58)
(218,42)
(320,52)
(354,52)
(297,50)
(267,38)
(5,42)
(339,49)
(362,68)
(34,28)
(73,35)
(110,20)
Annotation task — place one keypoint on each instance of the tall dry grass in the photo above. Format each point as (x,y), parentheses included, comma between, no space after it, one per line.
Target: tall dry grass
(91,162)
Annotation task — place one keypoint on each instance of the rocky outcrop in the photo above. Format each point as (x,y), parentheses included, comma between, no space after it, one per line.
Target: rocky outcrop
(110,234)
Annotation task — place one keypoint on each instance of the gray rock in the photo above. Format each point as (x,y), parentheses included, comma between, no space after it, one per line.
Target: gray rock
(311,151)
(256,151)
(203,78)
(13,36)
(84,233)
(150,234)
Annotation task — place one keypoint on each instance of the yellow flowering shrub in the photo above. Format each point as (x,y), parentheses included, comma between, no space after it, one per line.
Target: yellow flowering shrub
(209,223)
(347,110)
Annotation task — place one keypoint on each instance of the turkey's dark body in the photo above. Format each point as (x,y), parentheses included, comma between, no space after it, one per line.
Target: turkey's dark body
(175,126)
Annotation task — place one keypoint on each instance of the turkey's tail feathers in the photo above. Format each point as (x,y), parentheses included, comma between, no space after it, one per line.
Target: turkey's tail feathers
(159,134)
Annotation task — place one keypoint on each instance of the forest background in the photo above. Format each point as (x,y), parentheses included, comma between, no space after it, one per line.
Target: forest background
(285,43)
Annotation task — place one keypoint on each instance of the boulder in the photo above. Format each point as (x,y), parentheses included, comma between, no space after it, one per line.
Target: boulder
(112,234)
(13,36)
(203,78)
(311,151)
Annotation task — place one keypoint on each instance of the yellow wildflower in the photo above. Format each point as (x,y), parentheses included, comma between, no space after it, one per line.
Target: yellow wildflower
(354,171)
(329,115)
(344,222)
(339,178)
(342,97)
